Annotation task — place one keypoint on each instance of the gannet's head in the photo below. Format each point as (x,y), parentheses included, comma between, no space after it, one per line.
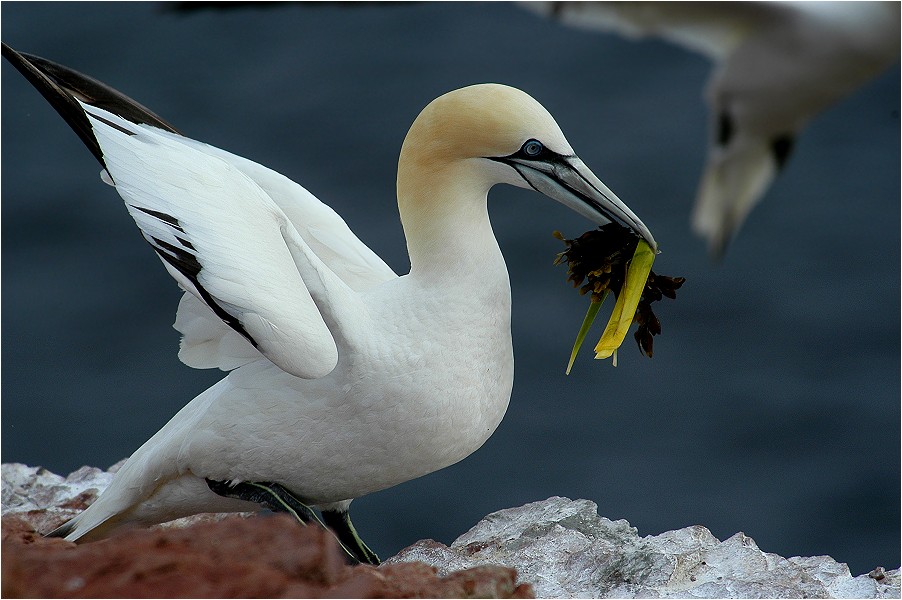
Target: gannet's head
(504,136)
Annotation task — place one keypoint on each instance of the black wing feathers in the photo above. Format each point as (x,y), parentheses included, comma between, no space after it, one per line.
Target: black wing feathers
(61,85)
(184,260)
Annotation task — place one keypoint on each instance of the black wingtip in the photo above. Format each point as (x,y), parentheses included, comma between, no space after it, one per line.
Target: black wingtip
(61,85)
(63,102)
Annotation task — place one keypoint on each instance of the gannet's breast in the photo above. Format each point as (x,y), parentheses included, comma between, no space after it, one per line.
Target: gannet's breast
(424,390)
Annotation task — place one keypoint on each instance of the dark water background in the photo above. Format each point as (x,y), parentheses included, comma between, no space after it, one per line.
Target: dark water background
(771,406)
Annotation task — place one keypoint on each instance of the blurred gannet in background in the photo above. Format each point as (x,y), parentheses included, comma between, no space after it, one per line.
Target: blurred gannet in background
(777,64)
(344,378)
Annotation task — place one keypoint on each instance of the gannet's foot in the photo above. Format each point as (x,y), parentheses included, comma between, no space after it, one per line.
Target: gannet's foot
(272,495)
(339,521)
(278,499)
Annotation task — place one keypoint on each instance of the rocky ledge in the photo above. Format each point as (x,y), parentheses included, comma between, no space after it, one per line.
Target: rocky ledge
(554,548)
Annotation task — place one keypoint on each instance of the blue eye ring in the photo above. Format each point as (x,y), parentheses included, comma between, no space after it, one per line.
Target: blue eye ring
(532,148)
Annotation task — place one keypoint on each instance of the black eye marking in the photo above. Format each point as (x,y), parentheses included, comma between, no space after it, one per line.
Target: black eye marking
(532,148)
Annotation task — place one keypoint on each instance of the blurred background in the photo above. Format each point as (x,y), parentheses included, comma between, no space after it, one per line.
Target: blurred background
(771,405)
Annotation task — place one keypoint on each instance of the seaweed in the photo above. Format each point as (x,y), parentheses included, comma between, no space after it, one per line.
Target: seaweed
(597,263)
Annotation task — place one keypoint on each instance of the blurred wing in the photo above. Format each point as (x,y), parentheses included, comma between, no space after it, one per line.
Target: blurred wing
(776,65)
(714,29)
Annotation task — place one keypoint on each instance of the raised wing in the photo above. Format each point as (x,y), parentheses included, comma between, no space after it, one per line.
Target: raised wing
(219,235)
(321,227)
(207,342)
(218,222)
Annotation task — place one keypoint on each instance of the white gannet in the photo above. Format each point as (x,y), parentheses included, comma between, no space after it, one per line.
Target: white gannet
(777,64)
(344,378)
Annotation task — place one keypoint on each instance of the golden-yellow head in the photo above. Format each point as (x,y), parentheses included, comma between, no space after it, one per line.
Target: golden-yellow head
(469,139)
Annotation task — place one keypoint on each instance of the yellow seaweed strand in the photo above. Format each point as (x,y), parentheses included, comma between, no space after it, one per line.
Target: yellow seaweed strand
(627,301)
(584,329)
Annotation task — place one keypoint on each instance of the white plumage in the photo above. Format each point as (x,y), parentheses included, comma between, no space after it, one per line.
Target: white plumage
(288,414)
(344,378)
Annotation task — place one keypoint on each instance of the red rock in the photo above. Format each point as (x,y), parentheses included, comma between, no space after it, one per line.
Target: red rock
(235,557)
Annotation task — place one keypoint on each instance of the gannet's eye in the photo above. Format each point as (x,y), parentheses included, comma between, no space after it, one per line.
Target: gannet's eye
(532,148)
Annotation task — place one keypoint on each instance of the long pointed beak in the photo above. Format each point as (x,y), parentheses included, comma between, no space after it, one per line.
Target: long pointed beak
(568,180)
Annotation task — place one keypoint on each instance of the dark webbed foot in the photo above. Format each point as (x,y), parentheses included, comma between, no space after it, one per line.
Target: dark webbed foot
(339,521)
(278,499)
(272,495)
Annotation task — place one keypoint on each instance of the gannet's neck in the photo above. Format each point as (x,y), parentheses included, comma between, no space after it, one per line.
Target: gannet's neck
(443,207)
(444,174)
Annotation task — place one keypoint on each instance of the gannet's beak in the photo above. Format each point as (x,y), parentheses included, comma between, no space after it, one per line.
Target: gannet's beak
(568,180)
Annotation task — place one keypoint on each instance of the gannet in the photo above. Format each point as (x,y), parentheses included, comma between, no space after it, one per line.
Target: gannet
(343,377)
(777,65)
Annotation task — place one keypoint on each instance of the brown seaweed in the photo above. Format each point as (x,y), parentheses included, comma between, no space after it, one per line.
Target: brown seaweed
(597,262)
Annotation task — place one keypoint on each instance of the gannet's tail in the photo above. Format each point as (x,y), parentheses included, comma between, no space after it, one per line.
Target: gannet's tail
(148,490)
(154,486)
(64,529)
(132,497)
(123,507)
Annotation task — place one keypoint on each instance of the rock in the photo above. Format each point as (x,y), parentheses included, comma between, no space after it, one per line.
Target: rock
(47,500)
(566,550)
(229,556)
(234,557)
(35,488)
(559,547)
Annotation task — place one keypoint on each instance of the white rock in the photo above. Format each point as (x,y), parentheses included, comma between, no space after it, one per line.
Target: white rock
(566,550)
(45,499)
(35,488)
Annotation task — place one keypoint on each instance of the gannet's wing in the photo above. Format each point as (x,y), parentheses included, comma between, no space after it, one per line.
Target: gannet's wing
(207,342)
(319,225)
(714,29)
(741,162)
(217,229)
(220,236)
